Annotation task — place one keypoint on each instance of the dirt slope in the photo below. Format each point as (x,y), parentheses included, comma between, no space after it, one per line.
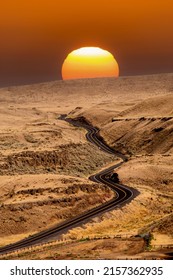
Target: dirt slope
(135,116)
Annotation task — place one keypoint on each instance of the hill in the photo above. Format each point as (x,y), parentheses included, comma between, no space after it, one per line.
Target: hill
(45,162)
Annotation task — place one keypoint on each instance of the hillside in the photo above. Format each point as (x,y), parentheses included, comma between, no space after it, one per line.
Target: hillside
(45,162)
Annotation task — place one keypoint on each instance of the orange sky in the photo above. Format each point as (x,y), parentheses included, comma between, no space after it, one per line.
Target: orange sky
(36,35)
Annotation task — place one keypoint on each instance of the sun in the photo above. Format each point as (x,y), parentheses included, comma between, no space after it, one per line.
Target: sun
(89,62)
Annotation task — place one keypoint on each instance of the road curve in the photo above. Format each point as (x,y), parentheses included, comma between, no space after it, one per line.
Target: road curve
(123,195)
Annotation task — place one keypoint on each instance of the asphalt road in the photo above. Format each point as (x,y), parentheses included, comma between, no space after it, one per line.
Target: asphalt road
(123,195)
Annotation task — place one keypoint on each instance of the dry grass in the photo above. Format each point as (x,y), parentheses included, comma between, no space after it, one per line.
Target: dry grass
(85,249)
(32,203)
(39,152)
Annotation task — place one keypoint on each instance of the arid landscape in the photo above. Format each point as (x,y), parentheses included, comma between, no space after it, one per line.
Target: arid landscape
(45,163)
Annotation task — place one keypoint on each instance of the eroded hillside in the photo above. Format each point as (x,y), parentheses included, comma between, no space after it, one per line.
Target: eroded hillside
(45,162)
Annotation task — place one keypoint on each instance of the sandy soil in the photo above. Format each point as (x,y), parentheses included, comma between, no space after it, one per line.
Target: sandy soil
(45,162)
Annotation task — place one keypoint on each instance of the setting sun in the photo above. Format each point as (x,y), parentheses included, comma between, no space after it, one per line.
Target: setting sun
(89,62)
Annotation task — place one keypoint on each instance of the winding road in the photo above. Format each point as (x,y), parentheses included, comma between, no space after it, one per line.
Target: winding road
(123,195)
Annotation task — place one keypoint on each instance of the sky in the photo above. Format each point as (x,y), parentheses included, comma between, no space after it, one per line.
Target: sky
(37,35)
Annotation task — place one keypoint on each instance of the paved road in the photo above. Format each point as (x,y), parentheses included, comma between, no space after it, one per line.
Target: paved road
(123,194)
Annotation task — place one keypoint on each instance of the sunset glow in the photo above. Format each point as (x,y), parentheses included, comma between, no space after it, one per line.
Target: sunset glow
(89,62)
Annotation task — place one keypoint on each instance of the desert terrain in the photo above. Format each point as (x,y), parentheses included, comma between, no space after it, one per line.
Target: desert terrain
(45,164)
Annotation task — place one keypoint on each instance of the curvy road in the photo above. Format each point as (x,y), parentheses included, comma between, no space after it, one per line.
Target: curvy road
(123,195)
